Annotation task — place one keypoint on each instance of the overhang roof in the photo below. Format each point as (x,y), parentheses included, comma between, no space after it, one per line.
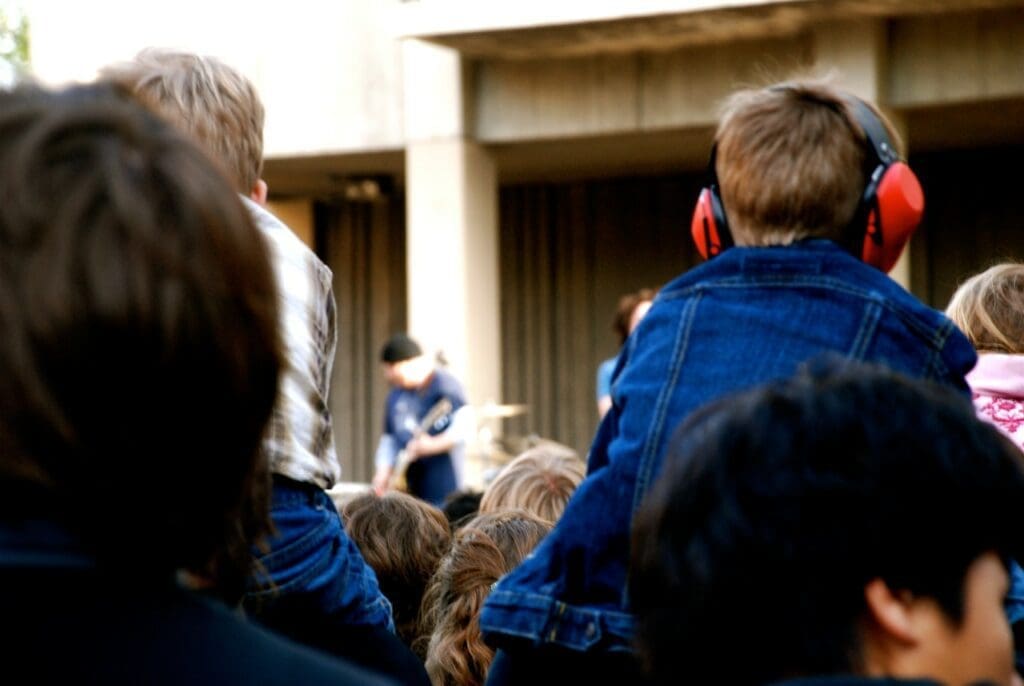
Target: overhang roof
(552,29)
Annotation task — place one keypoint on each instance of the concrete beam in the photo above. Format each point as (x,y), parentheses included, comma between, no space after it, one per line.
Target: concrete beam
(957,58)
(856,55)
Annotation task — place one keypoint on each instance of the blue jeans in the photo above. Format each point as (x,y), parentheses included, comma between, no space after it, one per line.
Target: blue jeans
(432,478)
(314,569)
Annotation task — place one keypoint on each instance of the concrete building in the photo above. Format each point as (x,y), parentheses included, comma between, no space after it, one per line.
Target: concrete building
(491,177)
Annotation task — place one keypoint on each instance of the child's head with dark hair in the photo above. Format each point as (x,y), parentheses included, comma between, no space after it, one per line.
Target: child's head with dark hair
(461,506)
(402,538)
(631,309)
(827,525)
(140,352)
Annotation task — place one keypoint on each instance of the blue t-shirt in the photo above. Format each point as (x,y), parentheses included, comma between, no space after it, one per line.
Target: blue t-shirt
(431,477)
(604,377)
(406,407)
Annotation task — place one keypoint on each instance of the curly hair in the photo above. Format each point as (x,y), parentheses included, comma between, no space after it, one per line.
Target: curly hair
(540,481)
(402,538)
(485,549)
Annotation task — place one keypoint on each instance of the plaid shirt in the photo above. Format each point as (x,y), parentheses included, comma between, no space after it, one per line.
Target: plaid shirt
(299,439)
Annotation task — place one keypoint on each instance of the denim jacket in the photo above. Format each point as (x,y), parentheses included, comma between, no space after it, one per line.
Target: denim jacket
(749,316)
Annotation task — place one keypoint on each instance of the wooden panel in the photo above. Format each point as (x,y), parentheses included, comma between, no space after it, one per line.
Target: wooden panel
(974,217)
(568,252)
(364,244)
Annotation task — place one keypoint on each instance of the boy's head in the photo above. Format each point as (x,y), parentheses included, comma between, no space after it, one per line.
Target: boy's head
(540,481)
(140,353)
(403,362)
(792,162)
(402,538)
(989,308)
(208,100)
(857,522)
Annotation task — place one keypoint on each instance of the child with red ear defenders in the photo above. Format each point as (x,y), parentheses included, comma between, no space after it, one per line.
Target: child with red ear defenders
(887,213)
(808,204)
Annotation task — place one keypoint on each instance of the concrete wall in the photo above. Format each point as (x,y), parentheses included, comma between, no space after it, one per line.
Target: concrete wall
(604,94)
(329,72)
(483,92)
(332,73)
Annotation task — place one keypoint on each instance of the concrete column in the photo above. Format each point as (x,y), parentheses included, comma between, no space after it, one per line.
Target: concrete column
(855,54)
(451,223)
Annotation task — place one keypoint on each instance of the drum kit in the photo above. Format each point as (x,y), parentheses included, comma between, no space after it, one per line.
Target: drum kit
(496,449)
(494,411)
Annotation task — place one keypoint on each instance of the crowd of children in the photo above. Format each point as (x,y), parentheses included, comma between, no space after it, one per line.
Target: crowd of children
(789,483)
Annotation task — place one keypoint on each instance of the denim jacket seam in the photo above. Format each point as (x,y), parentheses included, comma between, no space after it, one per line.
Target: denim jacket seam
(544,625)
(654,432)
(866,333)
(927,331)
(547,601)
(937,367)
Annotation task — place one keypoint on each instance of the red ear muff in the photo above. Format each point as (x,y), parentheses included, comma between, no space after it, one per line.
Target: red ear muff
(893,203)
(708,226)
(896,204)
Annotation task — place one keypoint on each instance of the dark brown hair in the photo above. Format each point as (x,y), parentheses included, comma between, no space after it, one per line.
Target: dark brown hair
(140,352)
(402,538)
(624,312)
(482,552)
(790,163)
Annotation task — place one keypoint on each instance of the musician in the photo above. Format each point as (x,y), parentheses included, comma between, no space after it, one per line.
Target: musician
(436,450)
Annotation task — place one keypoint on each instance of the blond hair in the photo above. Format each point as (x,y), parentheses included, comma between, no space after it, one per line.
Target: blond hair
(205,98)
(790,164)
(483,551)
(540,481)
(989,308)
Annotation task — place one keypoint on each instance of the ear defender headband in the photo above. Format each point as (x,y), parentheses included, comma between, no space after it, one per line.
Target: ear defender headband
(892,204)
(890,208)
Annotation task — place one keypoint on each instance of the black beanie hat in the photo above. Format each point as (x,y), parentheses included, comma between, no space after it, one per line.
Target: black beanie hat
(400,347)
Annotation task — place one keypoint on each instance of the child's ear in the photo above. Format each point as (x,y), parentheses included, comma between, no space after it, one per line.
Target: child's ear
(259,192)
(891,613)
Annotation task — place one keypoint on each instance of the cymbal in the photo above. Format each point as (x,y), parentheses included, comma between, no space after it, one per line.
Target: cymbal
(491,410)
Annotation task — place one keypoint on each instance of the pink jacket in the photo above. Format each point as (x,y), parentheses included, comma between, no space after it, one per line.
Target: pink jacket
(997,383)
